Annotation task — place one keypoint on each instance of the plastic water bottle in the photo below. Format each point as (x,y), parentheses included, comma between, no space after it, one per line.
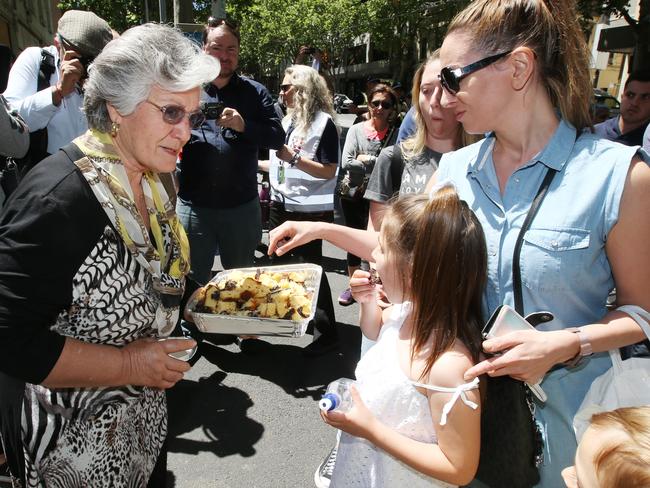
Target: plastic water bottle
(338,396)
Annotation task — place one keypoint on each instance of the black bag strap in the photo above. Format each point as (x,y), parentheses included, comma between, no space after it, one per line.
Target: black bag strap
(532,211)
(388,138)
(396,167)
(46,70)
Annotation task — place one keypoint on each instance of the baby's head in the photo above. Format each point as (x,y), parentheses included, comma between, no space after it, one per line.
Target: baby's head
(614,451)
(436,257)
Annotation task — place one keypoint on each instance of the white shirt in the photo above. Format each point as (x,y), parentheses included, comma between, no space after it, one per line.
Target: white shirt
(646,139)
(65,122)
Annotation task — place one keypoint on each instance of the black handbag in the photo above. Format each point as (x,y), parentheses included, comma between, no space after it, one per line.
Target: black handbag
(511,441)
(353,184)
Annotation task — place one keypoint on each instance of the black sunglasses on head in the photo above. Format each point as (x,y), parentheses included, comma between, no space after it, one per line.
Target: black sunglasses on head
(384,104)
(174,114)
(450,77)
(214,22)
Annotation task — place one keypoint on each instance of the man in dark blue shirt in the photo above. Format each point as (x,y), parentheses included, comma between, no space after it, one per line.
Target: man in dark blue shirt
(628,127)
(218,201)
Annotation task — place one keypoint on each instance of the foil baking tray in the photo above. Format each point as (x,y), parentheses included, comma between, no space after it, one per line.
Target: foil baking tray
(260,326)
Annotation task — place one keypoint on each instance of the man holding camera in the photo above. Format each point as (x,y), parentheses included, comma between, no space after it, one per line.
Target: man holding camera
(45,85)
(218,200)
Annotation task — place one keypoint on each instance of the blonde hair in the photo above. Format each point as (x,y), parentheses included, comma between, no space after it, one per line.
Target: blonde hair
(624,464)
(415,144)
(551,30)
(311,96)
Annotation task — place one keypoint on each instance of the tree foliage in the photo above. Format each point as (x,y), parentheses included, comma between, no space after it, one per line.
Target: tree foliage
(589,9)
(273,31)
(120,14)
(404,30)
(409,29)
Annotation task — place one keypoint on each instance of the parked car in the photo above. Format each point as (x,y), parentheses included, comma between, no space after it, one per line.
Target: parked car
(604,106)
(342,103)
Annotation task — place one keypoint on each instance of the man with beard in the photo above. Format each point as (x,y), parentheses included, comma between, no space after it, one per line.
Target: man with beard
(218,198)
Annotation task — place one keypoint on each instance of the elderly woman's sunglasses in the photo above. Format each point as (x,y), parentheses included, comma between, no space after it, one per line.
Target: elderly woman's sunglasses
(450,77)
(384,104)
(174,114)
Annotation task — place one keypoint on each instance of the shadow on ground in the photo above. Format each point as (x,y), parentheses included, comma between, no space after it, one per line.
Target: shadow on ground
(215,408)
(286,366)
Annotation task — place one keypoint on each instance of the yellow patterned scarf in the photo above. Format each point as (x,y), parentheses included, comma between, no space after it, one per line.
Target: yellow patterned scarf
(166,256)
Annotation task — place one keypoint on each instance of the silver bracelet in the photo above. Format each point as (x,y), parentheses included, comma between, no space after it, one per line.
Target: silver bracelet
(294,159)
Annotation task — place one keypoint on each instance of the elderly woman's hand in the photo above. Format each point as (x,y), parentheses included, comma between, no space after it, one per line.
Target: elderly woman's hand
(526,355)
(231,119)
(147,362)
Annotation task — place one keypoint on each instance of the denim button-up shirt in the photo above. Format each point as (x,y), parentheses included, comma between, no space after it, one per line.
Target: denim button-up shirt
(563,263)
(564,266)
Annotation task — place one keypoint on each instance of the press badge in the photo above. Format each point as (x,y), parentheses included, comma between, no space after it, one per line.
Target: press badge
(281,173)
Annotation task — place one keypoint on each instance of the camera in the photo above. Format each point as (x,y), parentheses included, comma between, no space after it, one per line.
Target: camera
(212,110)
(310,50)
(85,62)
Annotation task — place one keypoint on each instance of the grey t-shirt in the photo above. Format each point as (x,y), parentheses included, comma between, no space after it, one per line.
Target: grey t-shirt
(415,176)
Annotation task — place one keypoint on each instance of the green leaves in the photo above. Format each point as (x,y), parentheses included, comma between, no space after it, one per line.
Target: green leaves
(273,30)
(120,14)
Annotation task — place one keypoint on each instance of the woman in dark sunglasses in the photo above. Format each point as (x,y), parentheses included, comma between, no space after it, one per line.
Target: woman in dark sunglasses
(303,176)
(363,143)
(95,258)
(518,69)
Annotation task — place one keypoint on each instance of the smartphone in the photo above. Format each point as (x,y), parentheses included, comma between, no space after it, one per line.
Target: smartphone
(503,321)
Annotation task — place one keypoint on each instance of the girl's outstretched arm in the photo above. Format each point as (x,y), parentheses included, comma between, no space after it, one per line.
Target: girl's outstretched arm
(455,458)
(293,234)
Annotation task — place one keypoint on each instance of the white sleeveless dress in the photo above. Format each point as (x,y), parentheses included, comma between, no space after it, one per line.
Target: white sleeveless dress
(392,397)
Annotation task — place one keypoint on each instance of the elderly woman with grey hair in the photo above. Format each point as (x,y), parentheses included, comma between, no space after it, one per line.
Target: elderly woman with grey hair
(92,275)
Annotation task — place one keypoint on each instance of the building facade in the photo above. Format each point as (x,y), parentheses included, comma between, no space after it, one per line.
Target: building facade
(25,23)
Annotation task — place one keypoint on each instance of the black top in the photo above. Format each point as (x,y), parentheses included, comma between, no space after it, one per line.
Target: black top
(328,147)
(48,227)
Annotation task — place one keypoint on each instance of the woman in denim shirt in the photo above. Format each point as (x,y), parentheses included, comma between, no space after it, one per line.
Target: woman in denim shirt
(519,70)
(530,89)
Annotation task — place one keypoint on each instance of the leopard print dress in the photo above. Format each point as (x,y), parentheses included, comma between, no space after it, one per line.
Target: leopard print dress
(91,437)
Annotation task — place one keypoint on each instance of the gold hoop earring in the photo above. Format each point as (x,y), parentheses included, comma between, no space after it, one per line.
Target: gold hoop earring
(115,128)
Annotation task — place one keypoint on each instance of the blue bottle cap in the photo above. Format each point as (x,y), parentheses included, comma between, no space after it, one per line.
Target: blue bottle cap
(329,402)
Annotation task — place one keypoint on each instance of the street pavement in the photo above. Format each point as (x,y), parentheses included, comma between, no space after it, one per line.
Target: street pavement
(251,420)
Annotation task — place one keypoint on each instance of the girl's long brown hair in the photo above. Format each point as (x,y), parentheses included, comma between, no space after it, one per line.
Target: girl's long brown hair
(441,242)
(551,29)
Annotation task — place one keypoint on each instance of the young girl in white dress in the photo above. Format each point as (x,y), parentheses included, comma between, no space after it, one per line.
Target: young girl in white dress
(415,421)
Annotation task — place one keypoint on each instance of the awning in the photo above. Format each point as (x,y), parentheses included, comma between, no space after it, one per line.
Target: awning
(617,40)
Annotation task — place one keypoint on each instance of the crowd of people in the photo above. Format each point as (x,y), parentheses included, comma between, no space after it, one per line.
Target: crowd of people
(131,160)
